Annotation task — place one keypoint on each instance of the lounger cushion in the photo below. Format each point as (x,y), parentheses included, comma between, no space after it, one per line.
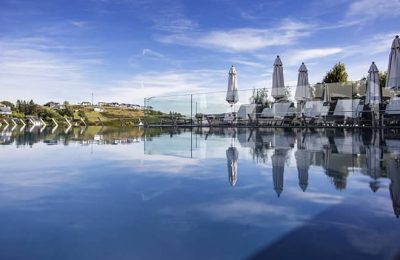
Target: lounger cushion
(349,108)
(229,117)
(245,110)
(312,108)
(279,110)
(393,108)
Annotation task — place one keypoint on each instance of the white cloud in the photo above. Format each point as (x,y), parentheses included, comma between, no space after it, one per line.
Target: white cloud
(151,53)
(296,57)
(79,24)
(164,83)
(368,10)
(176,25)
(29,69)
(170,17)
(242,39)
(249,212)
(248,63)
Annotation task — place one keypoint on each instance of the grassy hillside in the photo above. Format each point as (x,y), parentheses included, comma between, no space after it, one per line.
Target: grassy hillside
(110,116)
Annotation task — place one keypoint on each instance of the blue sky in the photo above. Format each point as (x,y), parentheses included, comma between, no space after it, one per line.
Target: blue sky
(125,50)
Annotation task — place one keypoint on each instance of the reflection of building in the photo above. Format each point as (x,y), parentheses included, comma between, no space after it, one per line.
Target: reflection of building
(303,161)
(232,155)
(278,168)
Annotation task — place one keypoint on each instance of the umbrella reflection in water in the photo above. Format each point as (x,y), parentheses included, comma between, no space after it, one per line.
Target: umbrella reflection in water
(232,155)
(303,160)
(374,155)
(278,168)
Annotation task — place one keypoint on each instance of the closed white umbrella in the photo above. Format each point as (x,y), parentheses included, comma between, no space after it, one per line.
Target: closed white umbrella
(232,92)
(232,155)
(373,96)
(303,86)
(393,72)
(278,84)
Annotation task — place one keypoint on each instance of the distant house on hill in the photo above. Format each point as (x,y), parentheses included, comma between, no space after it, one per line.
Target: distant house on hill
(85,104)
(102,104)
(134,106)
(114,104)
(54,105)
(129,106)
(4,110)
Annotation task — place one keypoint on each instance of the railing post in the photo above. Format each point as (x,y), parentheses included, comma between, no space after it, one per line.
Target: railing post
(191,109)
(144,109)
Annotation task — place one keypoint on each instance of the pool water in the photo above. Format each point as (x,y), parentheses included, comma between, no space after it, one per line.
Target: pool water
(222,193)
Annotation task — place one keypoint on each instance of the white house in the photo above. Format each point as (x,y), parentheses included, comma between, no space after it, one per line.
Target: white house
(102,104)
(4,110)
(54,105)
(85,104)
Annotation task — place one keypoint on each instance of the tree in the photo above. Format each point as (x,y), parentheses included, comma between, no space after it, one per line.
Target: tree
(81,113)
(47,113)
(382,78)
(8,104)
(259,97)
(336,74)
(68,111)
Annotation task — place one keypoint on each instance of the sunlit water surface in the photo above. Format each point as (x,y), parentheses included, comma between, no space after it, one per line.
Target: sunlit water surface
(101,193)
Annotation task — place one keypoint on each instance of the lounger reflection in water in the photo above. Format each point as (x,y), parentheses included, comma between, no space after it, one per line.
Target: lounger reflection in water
(246,114)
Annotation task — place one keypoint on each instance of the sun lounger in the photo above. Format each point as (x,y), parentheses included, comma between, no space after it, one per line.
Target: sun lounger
(246,114)
(311,111)
(229,118)
(280,113)
(215,119)
(347,112)
(392,112)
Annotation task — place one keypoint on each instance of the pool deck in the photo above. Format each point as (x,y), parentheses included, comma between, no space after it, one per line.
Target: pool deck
(272,126)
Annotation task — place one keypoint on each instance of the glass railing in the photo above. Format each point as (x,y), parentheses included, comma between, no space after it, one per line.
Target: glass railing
(332,104)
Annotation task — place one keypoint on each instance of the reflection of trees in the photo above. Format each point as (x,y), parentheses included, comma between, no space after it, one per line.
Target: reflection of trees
(79,135)
(267,139)
(339,179)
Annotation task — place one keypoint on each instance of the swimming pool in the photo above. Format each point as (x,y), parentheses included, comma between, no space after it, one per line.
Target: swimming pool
(219,193)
